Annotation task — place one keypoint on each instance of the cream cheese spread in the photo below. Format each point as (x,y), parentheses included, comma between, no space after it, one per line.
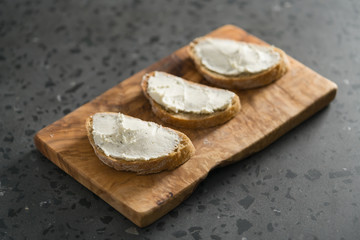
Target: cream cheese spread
(179,95)
(131,139)
(229,57)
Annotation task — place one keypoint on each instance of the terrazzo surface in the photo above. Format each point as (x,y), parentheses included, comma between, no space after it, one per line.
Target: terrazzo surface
(57,55)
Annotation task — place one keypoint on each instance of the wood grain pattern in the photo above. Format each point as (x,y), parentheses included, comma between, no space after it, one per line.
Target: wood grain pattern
(267,113)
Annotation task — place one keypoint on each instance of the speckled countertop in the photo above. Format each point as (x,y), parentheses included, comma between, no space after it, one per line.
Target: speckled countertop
(57,55)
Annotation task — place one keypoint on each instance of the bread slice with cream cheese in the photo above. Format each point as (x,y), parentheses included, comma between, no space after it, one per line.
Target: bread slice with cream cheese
(130,144)
(187,104)
(237,65)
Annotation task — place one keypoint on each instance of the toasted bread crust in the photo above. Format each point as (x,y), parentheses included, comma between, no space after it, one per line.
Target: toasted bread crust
(243,81)
(171,161)
(191,120)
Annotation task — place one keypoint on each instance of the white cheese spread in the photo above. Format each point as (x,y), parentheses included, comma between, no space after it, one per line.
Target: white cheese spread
(179,95)
(229,57)
(131,139)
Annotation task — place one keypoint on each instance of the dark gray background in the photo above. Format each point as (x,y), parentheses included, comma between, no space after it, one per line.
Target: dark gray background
(57,55)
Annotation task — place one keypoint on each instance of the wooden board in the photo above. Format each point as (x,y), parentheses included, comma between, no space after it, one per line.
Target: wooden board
(267,113)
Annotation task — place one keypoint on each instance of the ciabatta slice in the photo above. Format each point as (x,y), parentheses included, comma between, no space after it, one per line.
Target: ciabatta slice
(238,79)
(186,119)
(183,150)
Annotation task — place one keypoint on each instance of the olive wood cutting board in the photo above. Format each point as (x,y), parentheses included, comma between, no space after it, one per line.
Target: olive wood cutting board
(267,113)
